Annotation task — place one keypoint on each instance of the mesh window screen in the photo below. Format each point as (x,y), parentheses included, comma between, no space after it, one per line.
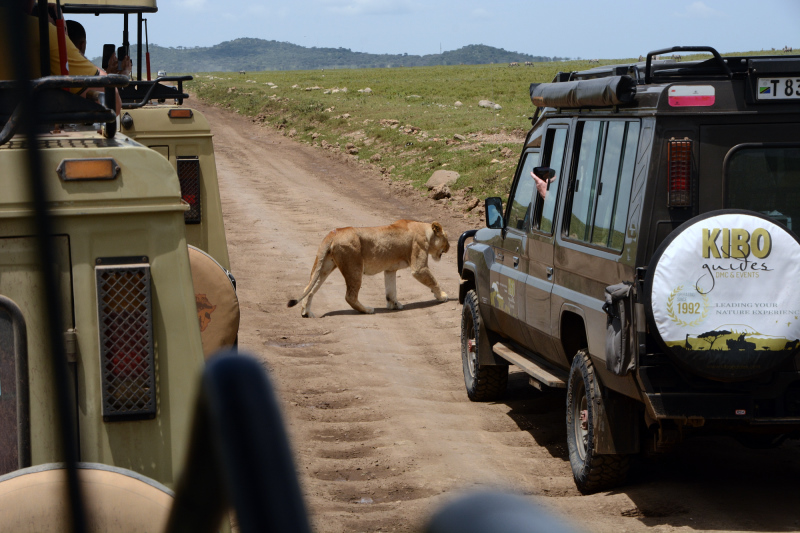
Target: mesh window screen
(189,176)
(126,340)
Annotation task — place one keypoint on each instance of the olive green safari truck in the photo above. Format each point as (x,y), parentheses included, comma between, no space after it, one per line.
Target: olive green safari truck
(143,290)
(647,259)
(154,114)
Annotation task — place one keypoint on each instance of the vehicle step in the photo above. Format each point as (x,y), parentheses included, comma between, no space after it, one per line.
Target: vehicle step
(544,374)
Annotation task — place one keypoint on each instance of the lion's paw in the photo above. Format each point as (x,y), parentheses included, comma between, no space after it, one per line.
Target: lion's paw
(442,296)
(394,305)
(369,310)
(308,314)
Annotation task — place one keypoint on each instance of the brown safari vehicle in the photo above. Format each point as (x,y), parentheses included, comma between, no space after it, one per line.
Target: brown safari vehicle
(647,258)
(129,293)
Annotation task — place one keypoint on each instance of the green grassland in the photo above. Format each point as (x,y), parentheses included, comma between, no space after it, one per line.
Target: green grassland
(421,100)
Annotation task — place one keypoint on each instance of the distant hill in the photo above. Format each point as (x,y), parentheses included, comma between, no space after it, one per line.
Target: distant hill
(258,54)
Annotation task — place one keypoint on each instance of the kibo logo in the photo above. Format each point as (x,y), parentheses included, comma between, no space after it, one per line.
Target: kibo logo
(736,243)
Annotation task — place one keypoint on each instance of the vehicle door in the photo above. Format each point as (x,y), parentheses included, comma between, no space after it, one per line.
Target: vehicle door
(588,252)
(508,272)
(539,281)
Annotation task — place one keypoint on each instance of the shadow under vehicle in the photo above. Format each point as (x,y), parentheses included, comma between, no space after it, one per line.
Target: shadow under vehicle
(646,258)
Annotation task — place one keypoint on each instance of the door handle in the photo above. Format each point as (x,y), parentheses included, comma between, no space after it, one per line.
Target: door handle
(549,272)
(516,261)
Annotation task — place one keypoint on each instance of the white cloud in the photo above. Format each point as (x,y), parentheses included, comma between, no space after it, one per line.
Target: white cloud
(699,10)
(369,7)
(197,5)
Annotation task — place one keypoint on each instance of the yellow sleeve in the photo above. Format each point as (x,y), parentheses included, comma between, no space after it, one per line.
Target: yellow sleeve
(76,63)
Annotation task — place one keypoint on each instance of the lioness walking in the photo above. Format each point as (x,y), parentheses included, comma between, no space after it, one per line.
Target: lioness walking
(387,249)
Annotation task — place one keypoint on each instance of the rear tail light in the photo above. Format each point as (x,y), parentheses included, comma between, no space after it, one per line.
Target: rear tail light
(680,173)
(189,177)
(125,321)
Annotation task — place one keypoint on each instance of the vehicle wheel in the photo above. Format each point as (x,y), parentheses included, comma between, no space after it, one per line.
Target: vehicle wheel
(592,471)
(484,382)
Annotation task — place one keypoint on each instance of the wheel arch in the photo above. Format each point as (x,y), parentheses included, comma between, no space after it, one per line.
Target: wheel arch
(572,331)
(467,282)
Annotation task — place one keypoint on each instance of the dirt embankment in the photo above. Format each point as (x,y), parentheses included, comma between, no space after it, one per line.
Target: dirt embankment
(380,424)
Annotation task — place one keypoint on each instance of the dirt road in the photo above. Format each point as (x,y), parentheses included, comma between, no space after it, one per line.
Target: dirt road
(380,424)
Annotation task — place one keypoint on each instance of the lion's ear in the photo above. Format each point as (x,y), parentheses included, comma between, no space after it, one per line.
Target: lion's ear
(437,228)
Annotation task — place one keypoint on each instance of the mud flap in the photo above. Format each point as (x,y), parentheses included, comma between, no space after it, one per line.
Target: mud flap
(617,424)
(619,335)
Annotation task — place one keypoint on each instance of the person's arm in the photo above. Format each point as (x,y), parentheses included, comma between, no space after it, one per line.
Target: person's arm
(541,185)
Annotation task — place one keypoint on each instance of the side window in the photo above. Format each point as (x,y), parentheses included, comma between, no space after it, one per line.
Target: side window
(590,135)
(602,183)
(553,157)
(520,204)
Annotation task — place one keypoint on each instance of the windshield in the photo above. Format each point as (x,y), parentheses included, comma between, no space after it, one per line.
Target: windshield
(766,179)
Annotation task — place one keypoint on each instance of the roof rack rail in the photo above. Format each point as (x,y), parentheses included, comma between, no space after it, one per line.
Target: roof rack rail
(59,106)
(704,69)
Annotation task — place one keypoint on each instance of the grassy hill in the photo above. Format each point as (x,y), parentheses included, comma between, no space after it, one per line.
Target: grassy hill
(257,54)
(409,123)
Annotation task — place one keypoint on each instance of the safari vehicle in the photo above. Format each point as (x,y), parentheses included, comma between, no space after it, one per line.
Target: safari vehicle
(125,298)
(654,276)
(154,115)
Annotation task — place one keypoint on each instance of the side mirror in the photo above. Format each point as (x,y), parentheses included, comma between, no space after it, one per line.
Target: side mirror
(494,212)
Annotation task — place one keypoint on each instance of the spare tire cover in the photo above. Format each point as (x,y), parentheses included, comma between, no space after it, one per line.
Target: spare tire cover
(217,304)
(722,296)
(36,499)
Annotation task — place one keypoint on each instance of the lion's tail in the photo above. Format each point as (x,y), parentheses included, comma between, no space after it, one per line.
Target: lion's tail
(322,252)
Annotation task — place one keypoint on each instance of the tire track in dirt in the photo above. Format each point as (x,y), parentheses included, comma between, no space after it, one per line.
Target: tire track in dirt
(380,424)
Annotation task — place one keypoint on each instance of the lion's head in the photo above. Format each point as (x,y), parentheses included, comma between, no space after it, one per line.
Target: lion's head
(438,242)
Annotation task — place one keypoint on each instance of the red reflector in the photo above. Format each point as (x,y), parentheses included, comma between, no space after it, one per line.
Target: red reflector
(180,113)
(680,173)
(691,95)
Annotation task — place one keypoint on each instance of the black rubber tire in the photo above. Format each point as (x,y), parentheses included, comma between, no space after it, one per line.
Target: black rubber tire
(592,472)
(484,382)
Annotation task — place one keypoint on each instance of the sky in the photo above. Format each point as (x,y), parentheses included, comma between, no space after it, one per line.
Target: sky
(588,29)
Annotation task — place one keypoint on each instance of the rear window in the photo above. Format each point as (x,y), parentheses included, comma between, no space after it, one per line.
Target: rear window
(766,179)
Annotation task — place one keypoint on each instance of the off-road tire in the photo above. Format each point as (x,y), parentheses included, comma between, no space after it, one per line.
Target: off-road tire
(484,382)
(592,472)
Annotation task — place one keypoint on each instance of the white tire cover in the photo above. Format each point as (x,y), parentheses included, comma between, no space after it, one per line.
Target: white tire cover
(723,296)
(217,304)
(35,500)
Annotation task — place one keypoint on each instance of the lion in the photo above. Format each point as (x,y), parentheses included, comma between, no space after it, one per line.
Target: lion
(387,249)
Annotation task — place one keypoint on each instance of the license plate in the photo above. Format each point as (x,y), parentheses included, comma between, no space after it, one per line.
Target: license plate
(779,88)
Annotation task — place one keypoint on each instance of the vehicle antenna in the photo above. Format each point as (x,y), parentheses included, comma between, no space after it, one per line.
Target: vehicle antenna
(147,49)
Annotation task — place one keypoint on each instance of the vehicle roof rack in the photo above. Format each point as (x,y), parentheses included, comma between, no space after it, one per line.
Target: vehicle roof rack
(139,93)
(716,67)
(59,106)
